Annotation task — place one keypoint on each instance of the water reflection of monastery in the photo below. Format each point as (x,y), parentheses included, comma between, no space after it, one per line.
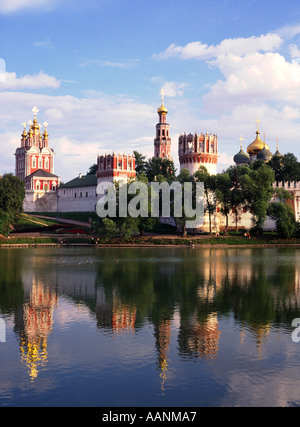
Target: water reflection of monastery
(215,285)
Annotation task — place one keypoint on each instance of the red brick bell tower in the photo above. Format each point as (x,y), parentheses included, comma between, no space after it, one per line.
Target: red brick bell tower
(162,141)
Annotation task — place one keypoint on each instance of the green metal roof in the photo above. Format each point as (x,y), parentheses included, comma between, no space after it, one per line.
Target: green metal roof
(81,181)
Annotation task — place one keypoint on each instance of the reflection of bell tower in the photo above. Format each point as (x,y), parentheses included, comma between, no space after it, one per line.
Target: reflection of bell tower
(163,337)
(38,320)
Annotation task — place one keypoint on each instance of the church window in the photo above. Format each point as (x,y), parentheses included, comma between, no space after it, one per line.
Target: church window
(33,162)
(81,194)
(46,163)
(86,194)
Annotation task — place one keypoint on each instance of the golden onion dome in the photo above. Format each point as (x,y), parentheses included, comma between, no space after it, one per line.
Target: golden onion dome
(162,109)
(257,145)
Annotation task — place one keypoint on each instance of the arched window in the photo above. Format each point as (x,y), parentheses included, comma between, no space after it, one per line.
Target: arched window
(33,162)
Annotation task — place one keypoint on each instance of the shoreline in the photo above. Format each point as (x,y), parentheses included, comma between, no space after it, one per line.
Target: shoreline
(147,245)
(149,240)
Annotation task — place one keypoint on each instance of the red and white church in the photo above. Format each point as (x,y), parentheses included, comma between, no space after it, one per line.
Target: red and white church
(35,166)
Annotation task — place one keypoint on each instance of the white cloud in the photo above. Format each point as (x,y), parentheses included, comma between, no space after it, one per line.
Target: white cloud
(252,78)
(239,46)
(253,69)
(173,89)
(79,128)
(46,44)
(37,81)
(112,64)
(11,6)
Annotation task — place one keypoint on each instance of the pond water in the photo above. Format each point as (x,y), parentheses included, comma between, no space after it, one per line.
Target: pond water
(149,327)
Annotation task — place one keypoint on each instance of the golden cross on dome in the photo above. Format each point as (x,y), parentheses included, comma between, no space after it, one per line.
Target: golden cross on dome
(30,123)
(45,124)
(241,139)
(277,143)
(257,122)
(35,111)
(24,124)
(162,92)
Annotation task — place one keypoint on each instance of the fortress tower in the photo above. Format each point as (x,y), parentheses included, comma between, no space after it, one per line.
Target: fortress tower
(198,150)
(115,167)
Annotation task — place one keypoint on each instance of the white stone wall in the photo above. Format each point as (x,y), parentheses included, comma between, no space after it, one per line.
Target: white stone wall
(40,202)
(79,199)
(194,167)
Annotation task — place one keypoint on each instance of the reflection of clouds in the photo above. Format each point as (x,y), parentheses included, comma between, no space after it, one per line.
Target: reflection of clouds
(266,382)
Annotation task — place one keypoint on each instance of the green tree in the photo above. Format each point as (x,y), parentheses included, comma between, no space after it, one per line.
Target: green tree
(209,182)
(237,199)
(224,194)
(185,176)
(12,193)
(159,166)
(257,190)
(291,168)
(276,163)
(284,217)
(92,169)
(4,223)
(126,226)
(140,163)
(286,168)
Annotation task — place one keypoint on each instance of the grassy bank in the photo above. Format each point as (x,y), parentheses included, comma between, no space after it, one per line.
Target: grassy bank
(154,241)
(162,235)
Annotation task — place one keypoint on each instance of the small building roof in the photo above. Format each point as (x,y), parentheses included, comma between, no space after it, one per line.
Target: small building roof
(40,173)
(81,181)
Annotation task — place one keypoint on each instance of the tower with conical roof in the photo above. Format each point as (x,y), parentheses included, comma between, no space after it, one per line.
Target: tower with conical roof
(162,141)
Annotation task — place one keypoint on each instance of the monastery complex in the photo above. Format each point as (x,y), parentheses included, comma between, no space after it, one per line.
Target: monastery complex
(34,164)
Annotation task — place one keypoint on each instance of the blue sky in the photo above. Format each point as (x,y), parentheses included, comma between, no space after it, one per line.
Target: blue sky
(95,70)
